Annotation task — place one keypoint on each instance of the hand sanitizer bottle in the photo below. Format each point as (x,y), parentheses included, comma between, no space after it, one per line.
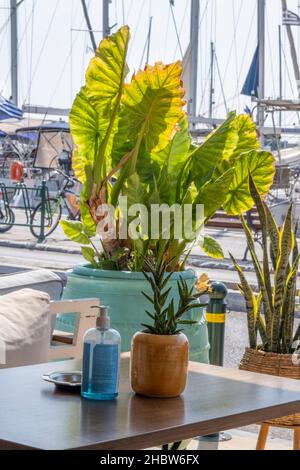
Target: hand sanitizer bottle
(101,360)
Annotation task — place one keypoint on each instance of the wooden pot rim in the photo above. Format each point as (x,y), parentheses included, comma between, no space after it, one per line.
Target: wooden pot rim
(161,339)
(162,336)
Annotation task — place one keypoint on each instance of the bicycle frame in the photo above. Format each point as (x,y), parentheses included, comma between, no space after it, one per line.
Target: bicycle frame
(73,209)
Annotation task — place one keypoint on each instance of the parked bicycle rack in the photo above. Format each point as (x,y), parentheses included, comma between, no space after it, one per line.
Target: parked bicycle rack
(24,196)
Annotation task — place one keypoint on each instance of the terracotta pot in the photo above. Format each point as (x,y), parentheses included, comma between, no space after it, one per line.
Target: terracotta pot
(273,364)
(159,364)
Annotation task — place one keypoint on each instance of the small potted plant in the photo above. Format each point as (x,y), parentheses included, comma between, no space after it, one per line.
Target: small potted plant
(160,353)
(273,336)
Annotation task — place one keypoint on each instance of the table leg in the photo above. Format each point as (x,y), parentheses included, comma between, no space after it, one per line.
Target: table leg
(296,439)
(180,445)
(262,438)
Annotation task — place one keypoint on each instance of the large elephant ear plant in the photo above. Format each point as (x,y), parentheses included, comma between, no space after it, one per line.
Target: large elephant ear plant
(132,139)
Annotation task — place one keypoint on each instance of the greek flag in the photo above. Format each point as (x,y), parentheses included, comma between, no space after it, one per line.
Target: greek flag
(9,110)
(290,18)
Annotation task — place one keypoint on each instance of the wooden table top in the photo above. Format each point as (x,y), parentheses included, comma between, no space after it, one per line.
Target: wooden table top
(34,415)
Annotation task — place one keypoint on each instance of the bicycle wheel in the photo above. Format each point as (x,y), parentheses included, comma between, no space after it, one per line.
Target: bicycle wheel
(7,217)
(53,212)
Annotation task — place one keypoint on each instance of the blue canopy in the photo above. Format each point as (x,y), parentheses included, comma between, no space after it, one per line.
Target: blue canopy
(33,132)
(8,110)
(59,125)
(2,134)
(250,87)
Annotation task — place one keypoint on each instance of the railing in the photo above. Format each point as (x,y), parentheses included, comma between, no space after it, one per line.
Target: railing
(21,198)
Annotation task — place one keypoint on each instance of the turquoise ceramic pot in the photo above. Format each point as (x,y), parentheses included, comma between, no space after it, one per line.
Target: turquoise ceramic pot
(122,291)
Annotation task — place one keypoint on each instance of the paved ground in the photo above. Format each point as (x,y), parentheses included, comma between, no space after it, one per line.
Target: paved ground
(244,440)
(232,241)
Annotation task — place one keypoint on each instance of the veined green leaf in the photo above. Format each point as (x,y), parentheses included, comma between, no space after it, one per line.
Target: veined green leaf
(213,194)
(86,131)
(75,232)
(106,73)
(170,159)
(223,146)
(212,248)
(218,145)
(260,165)
(153,104)
(105,85)
(89,254)
(152,107)
(247,136)
(135,191)
(93,118)
(89,226)
(175,154)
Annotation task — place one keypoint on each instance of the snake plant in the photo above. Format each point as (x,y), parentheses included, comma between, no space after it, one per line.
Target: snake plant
(166,319)
(271,313)
(132,139)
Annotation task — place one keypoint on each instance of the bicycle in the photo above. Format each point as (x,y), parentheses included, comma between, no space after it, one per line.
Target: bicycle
(7,218)
(53,208)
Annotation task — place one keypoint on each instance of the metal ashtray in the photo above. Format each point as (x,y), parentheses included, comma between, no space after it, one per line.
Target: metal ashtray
(65,380)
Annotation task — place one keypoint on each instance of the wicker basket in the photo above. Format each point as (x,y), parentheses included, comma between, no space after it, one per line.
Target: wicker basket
(273,364)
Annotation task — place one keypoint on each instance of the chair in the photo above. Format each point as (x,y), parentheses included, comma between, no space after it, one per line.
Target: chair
(37,279)
(264,431)
(71,346)
(25,331)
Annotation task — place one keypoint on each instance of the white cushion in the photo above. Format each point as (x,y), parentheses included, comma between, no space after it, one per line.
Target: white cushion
(24,328)
(38,279)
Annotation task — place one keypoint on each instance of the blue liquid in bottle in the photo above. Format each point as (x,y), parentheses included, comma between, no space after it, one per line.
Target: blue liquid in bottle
(101,360)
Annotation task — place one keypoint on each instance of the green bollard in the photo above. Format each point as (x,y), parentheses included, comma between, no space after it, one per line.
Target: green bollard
(215,317)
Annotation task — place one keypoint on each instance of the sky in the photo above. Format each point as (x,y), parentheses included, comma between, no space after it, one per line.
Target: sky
(53,54)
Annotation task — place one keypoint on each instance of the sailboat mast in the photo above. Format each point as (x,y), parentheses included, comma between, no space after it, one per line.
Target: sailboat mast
(194,44)
(89,25)
(293,49)
(212,78)
(261,12)
(105,18)
(149,39)
(14,50)
(280,71)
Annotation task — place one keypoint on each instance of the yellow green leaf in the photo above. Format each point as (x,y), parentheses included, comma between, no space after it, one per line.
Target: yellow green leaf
(93,118)
(219,151)
(261,165)
(212,248)
(153,104)
(107,71)
(86,131)
(75,232)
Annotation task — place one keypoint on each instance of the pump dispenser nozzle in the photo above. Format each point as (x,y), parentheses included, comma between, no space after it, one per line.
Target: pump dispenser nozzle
(103,320)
